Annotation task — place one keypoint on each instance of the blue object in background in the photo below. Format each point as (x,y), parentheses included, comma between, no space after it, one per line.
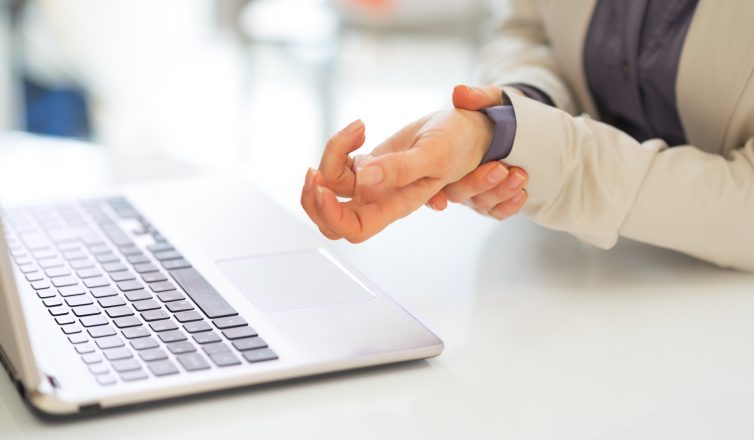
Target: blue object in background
(62,112)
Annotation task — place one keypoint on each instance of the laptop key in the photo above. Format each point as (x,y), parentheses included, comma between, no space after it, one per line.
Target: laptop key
(192,362)
(93,321)
(150,272)
(109,342)
(119,353)
(135,332)
(191,315)
(162,286)
(78,338)
(64,281)
(176,264)
(96,282)
(83,263)
(162,368)
(88,273)
(39,285)
(144,343)
(91,358)
(84,348)
(127,286)
(111,301)
(155,315)
(206,338)
(158,247)
(167,255)
(217,347)
(53,302)
(131,376)
(124,365)
(71,291)
(79,300)
(34,276)
(264,354)
(117,312)
(137,259)
(249,344)
(127,322)
(163,326)
(114,267)
(138,295)
(65,319)
(46,293)
(179,306)
(147,304)
(130,250)
(225,359)
(170,296)
(229,322)
(125,275)
(101,331)
(197,327)
(181,347)
(57,272)
(48,263)
(85,311)
(172,336)
(102,292)
(153,354)
(204,295)
(71,329)
(239,333)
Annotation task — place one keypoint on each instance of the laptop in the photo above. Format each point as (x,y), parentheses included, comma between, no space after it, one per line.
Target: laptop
(181,288)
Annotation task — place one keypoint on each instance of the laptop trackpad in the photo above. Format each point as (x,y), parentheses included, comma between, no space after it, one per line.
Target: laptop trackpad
(297,280)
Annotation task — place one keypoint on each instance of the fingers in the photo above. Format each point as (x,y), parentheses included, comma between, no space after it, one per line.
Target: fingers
(508,188)
(336,165)
(510,207)
(439,201)
(479,181)
(309,203)
(403,168)
(476,98)
(357,222)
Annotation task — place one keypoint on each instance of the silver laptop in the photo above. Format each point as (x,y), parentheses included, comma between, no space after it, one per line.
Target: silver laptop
(181,288)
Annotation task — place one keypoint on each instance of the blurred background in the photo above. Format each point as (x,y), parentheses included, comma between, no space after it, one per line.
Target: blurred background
(102,92)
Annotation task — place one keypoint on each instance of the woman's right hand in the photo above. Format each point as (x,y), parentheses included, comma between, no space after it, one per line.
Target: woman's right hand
(492,189)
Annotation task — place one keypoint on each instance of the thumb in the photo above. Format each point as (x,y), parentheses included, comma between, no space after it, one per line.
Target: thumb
(476,98)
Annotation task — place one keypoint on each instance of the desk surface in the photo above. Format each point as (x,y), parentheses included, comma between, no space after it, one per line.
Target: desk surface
(545,338)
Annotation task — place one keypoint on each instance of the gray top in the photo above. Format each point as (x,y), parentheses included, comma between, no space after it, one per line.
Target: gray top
(631,57)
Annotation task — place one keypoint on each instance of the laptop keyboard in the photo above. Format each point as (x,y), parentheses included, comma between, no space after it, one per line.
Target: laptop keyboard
(125,299)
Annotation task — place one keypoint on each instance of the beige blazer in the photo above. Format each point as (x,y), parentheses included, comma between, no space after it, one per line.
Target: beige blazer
(596,182)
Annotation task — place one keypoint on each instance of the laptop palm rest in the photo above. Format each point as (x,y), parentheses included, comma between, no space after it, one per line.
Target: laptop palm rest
(293,281)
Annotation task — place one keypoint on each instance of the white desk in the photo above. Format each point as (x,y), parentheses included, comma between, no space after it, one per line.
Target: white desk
(545,339)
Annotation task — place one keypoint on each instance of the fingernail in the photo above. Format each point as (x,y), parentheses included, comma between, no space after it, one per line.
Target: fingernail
(370,175)
(353,127)
(516,180)
(309,179)
(319,195)
(497,174)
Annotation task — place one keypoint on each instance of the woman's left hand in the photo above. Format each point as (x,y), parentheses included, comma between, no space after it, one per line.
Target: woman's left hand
(398,177)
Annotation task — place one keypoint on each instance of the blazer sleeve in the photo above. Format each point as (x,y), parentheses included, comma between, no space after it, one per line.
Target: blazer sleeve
(597,183)
(519,52)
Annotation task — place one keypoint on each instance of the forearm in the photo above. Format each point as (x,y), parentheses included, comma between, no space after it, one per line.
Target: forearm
(596,182)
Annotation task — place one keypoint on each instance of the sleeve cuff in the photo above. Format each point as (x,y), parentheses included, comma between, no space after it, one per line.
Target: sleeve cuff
(533,93)
(504,119)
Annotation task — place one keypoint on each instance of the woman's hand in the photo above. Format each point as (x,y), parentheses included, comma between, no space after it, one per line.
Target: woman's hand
(398,177)
(491,189)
